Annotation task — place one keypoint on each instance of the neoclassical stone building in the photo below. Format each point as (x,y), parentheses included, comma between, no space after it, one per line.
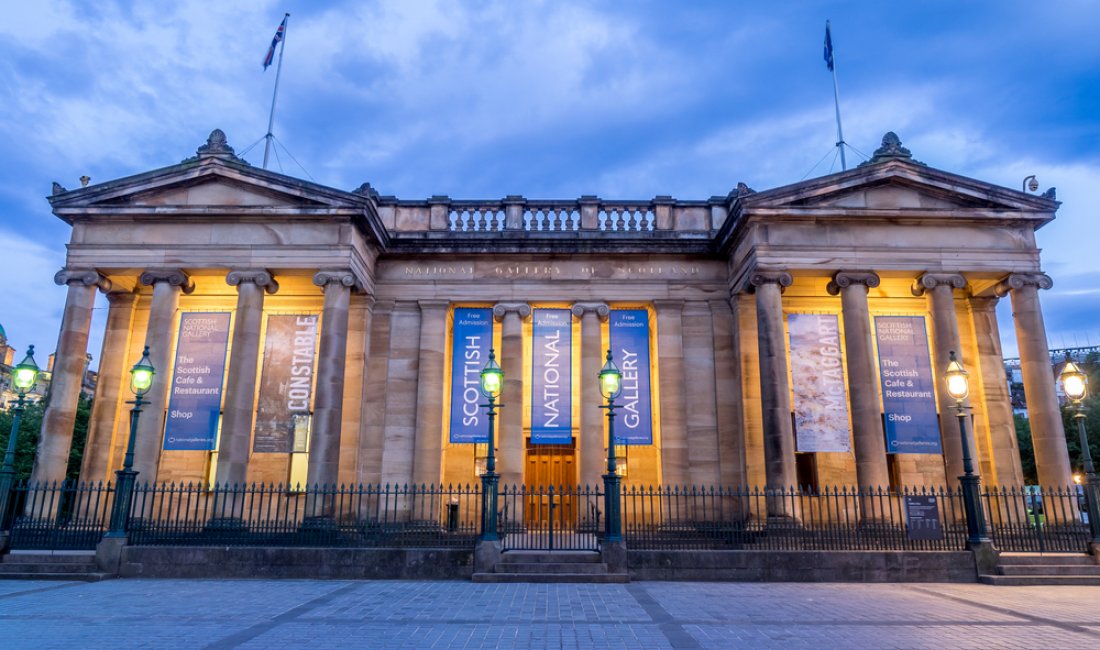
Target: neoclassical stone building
(794,336)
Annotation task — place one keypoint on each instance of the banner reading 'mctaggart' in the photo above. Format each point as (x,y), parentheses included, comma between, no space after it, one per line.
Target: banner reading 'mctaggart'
(471,340)
(820,400)
(629,331)
(286,383)
(194,405)
(552,373)
(908,387)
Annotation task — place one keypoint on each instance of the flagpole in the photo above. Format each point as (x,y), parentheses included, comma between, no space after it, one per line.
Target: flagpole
(275,95)
(836,99)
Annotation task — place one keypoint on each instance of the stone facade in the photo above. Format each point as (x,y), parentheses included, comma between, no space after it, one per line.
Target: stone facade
(718,277)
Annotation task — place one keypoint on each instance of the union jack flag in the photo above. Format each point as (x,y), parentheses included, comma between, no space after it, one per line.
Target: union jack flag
(275,41)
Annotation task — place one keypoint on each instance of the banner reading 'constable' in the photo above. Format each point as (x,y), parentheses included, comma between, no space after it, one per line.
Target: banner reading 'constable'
(629,330)
(908,387)
(286,383)
(194,405)
(471,341)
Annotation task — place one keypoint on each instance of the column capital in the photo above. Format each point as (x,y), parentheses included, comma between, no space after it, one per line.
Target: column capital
(502,308)
(602,311)
(844,279)
(87,277)
(341,277)
(932,280)
(259,277)
(174,277)
(760,277)
(1020,280)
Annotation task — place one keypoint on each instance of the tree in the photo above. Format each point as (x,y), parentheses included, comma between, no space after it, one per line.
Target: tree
(1027,451)
(26,445)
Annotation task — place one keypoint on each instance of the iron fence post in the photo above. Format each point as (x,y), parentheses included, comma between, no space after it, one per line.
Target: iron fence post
(127,477)
(7,472)
(613,521)
(1092,488)
(489,482)
(977,531)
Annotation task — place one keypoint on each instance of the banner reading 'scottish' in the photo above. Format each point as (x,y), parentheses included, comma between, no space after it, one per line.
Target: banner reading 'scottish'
(629,331)
(286,383)
(820,400)
(194,405)
(552,373)
(471,341)
(908,387)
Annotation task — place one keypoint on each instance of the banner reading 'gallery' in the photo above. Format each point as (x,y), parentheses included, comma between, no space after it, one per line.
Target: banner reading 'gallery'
(471,341)
(286,383)
(629,330)
(820,400)
(194,404)
(552,373)
(908,387)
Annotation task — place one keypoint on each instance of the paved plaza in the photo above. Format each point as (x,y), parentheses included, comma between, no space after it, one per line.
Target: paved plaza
(403,614)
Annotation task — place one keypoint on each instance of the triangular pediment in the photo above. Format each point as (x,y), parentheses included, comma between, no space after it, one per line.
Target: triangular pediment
(213,191)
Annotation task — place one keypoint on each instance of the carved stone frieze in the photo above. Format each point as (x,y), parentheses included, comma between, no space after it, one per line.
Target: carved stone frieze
(1021,280)
(259,277)
(502,308)
(174,277)
(602,311)
(932,280)
(844,279)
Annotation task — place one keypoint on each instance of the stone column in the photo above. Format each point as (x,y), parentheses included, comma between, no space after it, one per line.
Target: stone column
(1047,436)
(240,390)
(373,410)
(113,374)
(1004,450)
(167,285)
(401,393)
(670,370)
(701,398)
(70,360)
(775,391)
(592,435)
(510,436)
(324,443)
(727,384)
(863,387)
(428,459)
(939,287)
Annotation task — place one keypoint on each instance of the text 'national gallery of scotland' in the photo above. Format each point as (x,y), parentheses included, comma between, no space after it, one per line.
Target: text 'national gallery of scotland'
(791,337)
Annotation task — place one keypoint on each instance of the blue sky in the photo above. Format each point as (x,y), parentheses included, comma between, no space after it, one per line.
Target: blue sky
(549,100)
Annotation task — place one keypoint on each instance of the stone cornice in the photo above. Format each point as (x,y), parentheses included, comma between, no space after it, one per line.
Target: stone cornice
(87,277)
(259,277)
(1020,280)
(929,281)
(602,311)
(174,277)
(844,279)
(502,308)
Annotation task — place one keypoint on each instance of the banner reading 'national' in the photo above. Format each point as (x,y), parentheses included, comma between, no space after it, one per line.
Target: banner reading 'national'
(286,383)
(908,387)
(629,331)
(471,340)
(552,373)
(820,400)
(194,404)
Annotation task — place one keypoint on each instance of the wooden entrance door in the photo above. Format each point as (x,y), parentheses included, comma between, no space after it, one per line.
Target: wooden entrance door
(550,465)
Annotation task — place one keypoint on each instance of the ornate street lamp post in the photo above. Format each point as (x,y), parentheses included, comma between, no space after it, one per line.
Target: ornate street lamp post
(492,381)
(958,387)
(23,377)
(141,379)
(1075,384)
(611,385)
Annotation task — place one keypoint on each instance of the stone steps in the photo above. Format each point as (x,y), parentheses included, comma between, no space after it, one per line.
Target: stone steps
(1026,569)
(47,565)
(551,567)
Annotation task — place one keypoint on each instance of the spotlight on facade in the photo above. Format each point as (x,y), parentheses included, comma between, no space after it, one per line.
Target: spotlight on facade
(1030,183)
(958,384)
(141,375)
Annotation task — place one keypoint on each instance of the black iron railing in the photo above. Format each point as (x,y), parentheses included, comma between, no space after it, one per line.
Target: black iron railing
(684,518)
(430,516)
(63,515)
(551,518)
(1032,519)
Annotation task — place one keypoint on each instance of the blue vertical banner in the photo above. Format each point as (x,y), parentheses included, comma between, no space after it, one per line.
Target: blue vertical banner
(551,376)
(471,340)
(629,331)
(908,386)
(194,404)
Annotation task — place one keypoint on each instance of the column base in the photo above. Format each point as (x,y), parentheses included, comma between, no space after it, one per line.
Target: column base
(986,557)
(486,556)
(108,553)
(614,555)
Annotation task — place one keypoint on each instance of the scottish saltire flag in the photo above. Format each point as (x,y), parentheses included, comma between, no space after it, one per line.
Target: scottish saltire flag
(275,41)
(828,46)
